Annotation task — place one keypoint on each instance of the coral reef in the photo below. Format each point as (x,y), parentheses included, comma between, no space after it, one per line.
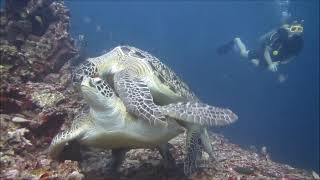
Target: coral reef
(34,39)
(37,101)
(35,50)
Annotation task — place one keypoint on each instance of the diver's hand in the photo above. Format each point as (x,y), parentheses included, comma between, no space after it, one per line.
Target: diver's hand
(273,67)
(255,62)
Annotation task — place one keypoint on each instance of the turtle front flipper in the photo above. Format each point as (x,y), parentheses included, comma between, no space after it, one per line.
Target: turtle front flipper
(137,97)
(77,129)
(197,140)
(199,113)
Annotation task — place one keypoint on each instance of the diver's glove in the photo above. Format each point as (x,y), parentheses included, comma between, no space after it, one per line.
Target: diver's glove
(273,66)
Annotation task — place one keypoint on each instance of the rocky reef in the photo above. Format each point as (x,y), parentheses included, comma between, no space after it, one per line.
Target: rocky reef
(37,101)
(35,39)
(35,51)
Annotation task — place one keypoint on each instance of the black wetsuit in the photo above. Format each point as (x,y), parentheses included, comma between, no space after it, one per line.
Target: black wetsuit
(278,41)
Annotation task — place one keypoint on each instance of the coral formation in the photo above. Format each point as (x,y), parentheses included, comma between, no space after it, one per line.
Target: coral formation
(35,48)
(35,38)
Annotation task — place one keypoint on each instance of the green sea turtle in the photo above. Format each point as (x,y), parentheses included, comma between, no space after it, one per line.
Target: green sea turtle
(136,76)
(109,125)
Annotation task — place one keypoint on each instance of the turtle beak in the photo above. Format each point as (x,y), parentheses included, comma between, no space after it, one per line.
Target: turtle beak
(96,79)
(87,90)
(85,82)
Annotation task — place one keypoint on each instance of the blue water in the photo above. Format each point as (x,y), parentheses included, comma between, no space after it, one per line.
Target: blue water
(284,117)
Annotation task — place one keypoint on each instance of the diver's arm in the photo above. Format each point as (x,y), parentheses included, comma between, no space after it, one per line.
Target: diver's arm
(272,66)
(267,56)
(288,60)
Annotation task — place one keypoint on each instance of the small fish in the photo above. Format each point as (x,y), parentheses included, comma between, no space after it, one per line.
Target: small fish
(264,150)
(86,19)
(282,78)
(315,175)
(23,15)
(98,28)
(39,20)
(80,37)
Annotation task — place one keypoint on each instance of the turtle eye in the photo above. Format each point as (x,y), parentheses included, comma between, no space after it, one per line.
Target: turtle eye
(125,50)
(91,82)
(97,80)
(138,54)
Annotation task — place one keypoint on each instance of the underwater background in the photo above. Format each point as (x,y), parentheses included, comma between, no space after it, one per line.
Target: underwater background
(277,110)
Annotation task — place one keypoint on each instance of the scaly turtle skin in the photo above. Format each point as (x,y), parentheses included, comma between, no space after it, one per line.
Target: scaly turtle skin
(136,76)
(108,125)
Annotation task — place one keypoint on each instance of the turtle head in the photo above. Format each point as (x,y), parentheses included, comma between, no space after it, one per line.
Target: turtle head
(117,59)
(104,65)
(111,62)
(97,93)
(87,68)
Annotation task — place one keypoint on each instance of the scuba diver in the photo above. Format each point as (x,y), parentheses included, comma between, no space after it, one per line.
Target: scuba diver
(277,47)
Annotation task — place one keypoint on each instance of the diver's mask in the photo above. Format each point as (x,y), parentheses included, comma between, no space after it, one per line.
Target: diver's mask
(296,28)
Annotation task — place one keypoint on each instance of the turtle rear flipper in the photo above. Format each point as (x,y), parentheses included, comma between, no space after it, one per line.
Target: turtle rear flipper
(199,113)
(137,97)
(77,129)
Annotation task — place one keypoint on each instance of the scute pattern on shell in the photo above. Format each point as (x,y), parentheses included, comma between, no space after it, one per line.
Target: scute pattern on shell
(165,74)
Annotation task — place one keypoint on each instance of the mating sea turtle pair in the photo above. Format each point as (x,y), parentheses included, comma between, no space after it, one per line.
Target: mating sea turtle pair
(108,125)
(144,86)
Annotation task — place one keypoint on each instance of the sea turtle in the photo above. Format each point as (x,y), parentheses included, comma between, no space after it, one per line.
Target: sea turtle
(109,125)
(136,76)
